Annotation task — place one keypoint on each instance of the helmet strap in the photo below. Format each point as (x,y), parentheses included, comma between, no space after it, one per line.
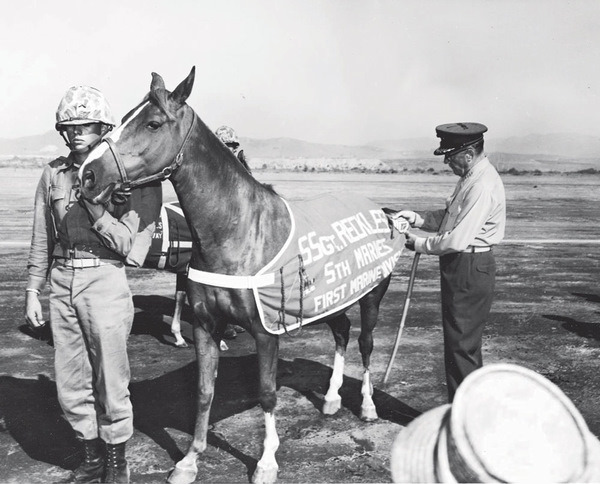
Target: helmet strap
(64,136)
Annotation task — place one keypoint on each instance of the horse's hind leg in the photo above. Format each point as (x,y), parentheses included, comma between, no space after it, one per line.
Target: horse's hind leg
(340,327)
(369,312)
(267,349)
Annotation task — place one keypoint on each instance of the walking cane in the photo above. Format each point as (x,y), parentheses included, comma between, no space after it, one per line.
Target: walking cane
(411,281)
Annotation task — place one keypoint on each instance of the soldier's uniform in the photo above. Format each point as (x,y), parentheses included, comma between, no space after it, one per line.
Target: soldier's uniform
(466,231)
(82,250)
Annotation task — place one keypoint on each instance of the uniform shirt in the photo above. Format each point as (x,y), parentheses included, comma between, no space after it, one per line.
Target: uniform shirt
(475,214)
(61,222)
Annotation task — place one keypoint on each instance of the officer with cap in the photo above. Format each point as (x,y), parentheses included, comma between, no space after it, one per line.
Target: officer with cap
(464,234)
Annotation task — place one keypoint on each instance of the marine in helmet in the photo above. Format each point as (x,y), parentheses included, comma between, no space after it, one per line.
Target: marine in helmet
(229,138)
(82,250)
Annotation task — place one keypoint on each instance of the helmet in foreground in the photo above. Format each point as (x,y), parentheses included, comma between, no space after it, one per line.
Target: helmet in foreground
(83,105)
(227,135)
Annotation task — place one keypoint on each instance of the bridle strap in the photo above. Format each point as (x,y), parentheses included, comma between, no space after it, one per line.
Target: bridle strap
(118,160)
(163,174)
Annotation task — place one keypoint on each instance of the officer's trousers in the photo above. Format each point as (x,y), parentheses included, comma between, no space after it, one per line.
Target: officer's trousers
(91,314)
(467,287)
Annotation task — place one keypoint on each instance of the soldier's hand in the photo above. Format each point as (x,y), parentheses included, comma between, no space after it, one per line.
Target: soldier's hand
(33,310)
(95,210)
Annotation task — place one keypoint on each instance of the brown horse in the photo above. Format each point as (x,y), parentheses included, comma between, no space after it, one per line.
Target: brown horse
(238,225)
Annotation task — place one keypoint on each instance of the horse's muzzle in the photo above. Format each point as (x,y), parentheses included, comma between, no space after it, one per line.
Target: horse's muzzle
(90,189)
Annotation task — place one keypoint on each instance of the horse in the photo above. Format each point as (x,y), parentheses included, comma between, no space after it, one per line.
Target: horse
(239,229)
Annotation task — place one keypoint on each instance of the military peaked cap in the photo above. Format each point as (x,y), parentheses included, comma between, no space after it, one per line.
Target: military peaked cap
(455,137)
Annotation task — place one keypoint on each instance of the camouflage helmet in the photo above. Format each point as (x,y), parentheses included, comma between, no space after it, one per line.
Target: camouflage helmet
(83,105)
(227,135)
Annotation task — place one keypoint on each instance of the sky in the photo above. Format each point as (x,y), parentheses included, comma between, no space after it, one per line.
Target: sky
(326,71)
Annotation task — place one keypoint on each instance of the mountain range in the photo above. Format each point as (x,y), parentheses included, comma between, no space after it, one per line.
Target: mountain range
(543,146)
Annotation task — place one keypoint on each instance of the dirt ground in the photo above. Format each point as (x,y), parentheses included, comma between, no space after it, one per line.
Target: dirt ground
(545,317)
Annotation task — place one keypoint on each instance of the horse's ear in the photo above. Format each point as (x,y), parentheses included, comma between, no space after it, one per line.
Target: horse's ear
(157,82)
(183,91)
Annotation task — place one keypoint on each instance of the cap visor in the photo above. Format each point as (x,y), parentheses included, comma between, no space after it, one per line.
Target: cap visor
(443,151)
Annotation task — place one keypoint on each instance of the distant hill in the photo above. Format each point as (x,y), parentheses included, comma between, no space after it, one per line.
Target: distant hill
(531,147)
(47,144)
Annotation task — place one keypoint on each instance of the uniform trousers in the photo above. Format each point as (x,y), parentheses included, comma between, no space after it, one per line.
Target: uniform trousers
(91,314)
(467,288)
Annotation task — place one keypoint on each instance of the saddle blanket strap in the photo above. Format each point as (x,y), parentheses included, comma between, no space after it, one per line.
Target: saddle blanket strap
(230,281)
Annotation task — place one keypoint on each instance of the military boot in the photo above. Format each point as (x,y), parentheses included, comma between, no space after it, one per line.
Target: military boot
(116,469)
(92,467)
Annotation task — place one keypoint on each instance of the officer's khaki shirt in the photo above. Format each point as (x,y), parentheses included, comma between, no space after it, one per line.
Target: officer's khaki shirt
(475,214)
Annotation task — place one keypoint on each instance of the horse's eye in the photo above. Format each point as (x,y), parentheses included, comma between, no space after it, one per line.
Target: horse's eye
(153,125)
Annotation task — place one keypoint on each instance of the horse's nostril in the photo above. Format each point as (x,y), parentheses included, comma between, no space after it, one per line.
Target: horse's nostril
(89,179)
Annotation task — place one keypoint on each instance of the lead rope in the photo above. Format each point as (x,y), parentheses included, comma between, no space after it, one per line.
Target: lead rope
(281,320)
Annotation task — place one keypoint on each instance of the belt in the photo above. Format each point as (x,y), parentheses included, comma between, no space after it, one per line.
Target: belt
(84,263)
(475,250)
(87,251)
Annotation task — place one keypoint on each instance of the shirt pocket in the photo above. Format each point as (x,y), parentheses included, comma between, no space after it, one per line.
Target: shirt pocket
(57,197)
(453,211)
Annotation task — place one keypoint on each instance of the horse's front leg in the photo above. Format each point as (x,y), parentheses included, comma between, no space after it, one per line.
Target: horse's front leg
(207,357)
(267,348)
(340,327)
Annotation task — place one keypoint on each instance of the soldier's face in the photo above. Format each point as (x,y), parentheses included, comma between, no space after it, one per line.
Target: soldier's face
(83,136)
(460,162)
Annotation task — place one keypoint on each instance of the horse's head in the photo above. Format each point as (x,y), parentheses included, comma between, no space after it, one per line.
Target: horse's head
(148,145)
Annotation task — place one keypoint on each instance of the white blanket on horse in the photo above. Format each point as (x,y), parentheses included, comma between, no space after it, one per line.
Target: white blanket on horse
(340,247)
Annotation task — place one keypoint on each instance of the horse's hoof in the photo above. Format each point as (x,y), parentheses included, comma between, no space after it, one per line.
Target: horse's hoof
(223,346)
(182,475)
(181,344)
(368,414)
(330,407)
(263,475)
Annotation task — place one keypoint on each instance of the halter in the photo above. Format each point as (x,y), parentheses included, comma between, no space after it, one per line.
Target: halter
(163,174)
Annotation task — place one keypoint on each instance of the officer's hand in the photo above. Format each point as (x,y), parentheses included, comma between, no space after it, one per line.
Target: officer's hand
(33,310)
(394,220)
(410,241)
(414,219)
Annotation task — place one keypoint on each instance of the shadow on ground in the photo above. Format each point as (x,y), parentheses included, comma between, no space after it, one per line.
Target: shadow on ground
(580,328)
(31,414)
